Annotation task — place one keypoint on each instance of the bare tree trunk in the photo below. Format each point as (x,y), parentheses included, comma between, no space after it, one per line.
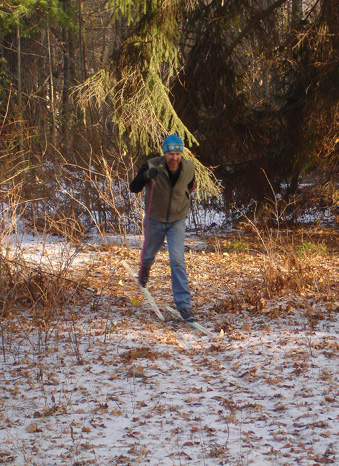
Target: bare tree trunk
(297,12)
(69,73)
(81,51)
(20,110)
(66,73)
(51,87)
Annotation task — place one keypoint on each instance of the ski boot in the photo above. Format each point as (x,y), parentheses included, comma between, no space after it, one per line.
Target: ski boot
(143,276)
(186,314)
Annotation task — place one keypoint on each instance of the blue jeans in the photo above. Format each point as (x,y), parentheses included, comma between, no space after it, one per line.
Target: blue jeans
(175,233)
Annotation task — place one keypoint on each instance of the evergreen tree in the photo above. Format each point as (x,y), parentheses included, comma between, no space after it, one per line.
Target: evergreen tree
(136,80)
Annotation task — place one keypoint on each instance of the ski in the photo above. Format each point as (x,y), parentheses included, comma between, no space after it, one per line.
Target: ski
(194,324)
(172,311)
(145,291)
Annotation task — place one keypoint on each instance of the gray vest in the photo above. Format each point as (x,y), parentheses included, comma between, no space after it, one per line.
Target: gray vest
(169,203)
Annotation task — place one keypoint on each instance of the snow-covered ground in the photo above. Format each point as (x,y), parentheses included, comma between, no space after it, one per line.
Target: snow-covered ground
(106,383)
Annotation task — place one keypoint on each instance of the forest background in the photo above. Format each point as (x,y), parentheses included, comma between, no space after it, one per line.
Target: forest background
(88,89)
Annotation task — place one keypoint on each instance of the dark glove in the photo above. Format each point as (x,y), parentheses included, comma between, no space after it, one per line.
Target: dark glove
(151,174)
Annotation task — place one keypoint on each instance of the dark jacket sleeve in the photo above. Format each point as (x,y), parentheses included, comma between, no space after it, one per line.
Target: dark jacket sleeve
(138,183)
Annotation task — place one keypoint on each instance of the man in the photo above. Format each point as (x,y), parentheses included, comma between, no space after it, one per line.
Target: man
(168,182)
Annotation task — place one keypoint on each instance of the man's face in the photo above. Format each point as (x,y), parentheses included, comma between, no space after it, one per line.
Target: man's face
(173,160)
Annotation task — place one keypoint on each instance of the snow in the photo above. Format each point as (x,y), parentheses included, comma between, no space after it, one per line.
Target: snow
(106,383)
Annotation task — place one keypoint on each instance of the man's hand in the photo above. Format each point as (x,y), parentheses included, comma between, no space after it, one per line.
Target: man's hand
(151,174)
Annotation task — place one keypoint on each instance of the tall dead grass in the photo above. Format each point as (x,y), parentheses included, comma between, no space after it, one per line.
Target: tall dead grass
(35,292)
(291,258)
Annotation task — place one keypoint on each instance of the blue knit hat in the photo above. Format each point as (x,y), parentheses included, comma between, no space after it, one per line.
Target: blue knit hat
(172,144)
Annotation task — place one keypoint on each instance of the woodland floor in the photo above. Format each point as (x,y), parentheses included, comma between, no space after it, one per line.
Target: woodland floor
(102,381)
